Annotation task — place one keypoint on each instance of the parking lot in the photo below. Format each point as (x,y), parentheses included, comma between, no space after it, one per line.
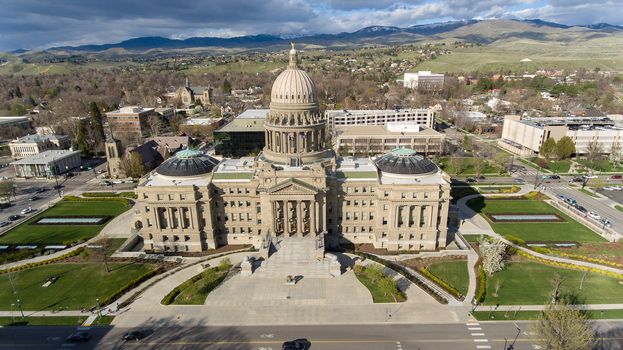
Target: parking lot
(616,196)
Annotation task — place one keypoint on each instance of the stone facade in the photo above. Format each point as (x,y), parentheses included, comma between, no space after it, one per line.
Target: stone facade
(296,187)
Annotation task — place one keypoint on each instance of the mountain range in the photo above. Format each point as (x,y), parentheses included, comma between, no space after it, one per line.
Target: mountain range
(479,31)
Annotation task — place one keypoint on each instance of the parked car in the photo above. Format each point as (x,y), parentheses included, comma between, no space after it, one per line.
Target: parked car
(578,179)
(571,201)
(606,222)
(581,209)
(617,188)
(470,179)
(616,177)
(34,198)
(133,335)
(26,211)
(4,223)
(591,176)
(14,217)
(519,180)
(594,215)
(78,337)
(554,177)
(607,188)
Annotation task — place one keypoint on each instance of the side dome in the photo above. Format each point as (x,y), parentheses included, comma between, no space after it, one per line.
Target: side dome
(187,163)
(403,161)
(293,85)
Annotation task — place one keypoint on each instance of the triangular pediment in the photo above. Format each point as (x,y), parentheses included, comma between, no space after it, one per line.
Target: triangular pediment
(292,186)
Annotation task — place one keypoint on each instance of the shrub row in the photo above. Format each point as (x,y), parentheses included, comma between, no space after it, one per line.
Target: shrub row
(441,283)
(403,271)
(135,282)
(131,195)
(549,251)
(44,262)
(125,201)
(169,298)
(481,280)
(571,266)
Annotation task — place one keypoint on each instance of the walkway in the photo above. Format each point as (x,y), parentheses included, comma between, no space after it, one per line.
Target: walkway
(474,223)
(229,306)
(541,307)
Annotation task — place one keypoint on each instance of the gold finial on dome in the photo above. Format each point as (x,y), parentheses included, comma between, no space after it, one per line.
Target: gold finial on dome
(293,58)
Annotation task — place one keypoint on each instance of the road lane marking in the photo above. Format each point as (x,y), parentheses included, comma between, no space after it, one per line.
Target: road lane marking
(481,340)
(474,328)
(472,324)
(483,346)
(478,334)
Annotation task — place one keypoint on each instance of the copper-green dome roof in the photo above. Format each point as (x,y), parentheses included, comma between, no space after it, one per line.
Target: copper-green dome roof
(187,162)
(404,161)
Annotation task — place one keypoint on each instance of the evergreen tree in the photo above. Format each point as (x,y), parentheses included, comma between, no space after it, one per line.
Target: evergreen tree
(226,87)
(565,148)
(95,119)
(548,148)
(81,141)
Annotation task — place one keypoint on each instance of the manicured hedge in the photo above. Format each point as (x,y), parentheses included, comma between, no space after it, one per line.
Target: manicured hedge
(481,290)
(441,283)
(571,266)
(131,195)
(80,199)
(132,284)
(45,262)
(403,271)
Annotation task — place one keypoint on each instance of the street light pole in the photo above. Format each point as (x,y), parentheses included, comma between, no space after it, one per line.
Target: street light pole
(12,314)
(99,311)
(19,304)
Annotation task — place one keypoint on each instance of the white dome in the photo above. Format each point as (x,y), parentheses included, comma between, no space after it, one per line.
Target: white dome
(293,85)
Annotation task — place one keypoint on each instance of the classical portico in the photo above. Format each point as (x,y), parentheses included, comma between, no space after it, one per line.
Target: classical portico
(295,209)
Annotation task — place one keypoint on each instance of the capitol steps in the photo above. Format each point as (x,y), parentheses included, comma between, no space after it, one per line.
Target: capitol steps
(295,257)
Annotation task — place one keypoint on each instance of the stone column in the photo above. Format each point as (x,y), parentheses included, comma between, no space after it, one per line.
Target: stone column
(273,224)
(299,218)
(434,214)
(156,215)
(418,213)
(170,218)
(313,218)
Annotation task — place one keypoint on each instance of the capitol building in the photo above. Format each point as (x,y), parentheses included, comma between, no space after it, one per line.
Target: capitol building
(295,188)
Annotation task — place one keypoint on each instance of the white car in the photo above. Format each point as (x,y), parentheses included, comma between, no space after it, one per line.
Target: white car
(608,188)
(616,188)
(26,210)
(594,215)
(590,176)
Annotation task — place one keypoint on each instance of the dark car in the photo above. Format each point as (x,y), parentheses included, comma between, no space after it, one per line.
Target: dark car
(134,335)
(14,217)
(578,179)
(470,179)
(69,175)
(78,337)
(554,177)
(616,177)
(41,190)
(480,177)
(34,198)
(581,209)
(298,344)
(4,223)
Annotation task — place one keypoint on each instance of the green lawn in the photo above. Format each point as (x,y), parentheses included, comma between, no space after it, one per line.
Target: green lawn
(561,166)
(374,280)
(570,230)
(529,283)
(63,234)
(586,191)
(78,285)
(453,272)
(619,207)
(531,315)
(603,165)
(196,290)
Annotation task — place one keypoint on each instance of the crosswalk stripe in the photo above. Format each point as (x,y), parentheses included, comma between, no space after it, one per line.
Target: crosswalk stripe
(472,324)
(481,340)
(483,346)
(474,328)
(477,334)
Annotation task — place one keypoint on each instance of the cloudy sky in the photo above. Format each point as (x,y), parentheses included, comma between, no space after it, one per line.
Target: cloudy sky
(44,23)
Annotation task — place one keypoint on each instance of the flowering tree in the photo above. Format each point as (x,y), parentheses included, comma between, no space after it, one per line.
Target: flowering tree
(492,252)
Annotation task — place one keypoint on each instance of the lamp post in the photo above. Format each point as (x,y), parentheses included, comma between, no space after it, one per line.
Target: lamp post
(12,314)
(99,311)
(19,305)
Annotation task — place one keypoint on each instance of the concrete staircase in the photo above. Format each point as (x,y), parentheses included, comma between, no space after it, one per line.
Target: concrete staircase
(296,257)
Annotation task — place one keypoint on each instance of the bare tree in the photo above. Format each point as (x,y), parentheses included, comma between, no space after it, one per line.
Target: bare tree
(557,282)
(455,165)
(561,327)
(479,164)
(155,125)
(7,190)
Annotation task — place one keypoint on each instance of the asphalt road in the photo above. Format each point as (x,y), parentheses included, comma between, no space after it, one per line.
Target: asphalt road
(348,337)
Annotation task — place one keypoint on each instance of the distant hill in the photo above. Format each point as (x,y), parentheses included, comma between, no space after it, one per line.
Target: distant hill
(480,31)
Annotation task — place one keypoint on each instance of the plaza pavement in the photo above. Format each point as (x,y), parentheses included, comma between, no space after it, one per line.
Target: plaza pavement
(310,302)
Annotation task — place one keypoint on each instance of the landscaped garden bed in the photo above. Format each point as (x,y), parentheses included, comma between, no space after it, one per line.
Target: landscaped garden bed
(383,288)
(72,220)
(524,217)
(567,231)
(196,290)
(35,233)
(448,272)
